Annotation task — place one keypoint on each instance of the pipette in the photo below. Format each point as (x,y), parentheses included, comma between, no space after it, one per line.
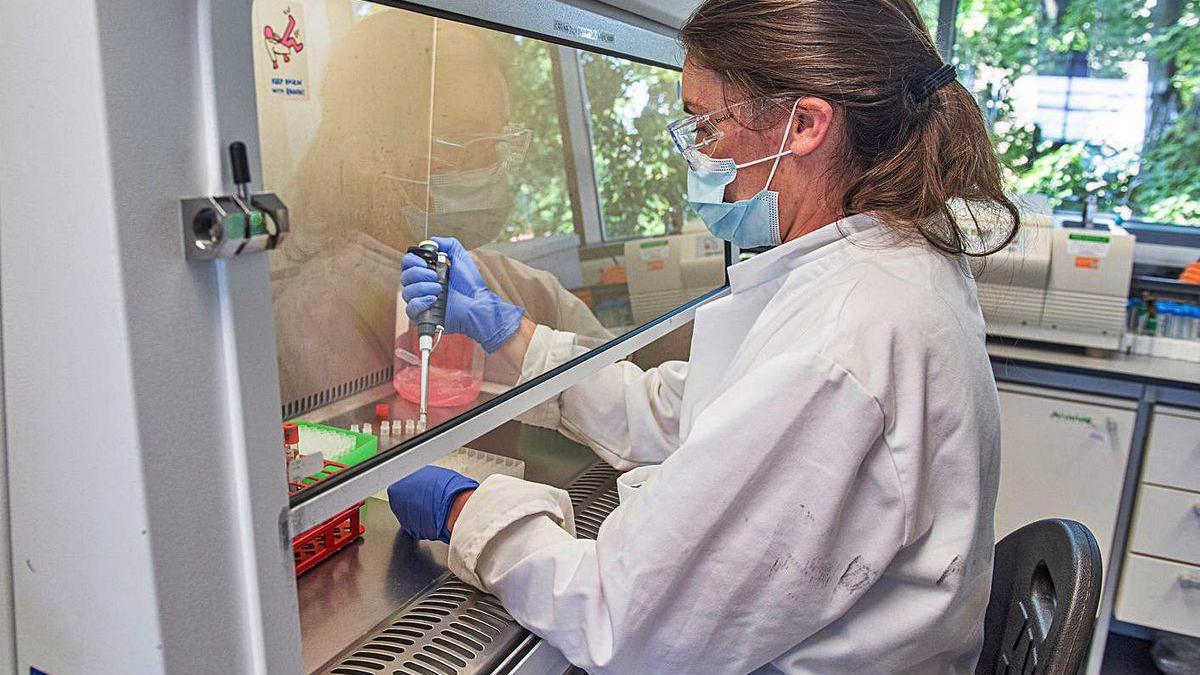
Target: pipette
(432,322)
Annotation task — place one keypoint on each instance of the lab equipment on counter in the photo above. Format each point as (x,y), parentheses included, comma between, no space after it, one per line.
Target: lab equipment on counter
(1165,329)
(307,446)
(478,465)
(1057,283)
(299,465)
(291,441)
(666,272)
(455,371)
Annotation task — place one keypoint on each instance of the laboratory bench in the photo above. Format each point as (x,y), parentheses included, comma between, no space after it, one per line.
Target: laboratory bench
(1137,368)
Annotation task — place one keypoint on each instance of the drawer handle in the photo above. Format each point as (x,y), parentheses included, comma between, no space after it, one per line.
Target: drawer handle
(1190,580)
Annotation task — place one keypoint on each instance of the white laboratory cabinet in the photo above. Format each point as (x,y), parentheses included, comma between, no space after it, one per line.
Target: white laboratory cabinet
(1062,455)
(1160,586)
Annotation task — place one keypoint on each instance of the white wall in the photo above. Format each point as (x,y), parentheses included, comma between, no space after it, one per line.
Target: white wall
(72,439)
(8,639)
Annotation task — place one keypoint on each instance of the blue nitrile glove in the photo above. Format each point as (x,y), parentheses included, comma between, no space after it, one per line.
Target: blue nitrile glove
(471,308)
(422,501)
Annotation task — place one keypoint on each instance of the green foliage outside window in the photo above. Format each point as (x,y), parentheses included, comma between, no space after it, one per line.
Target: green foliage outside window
(642,178)
(543,203)
(1000,40)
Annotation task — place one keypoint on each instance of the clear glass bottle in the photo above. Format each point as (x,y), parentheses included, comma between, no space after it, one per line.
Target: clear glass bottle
(455,367)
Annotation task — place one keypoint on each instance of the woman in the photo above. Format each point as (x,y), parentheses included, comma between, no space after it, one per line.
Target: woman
(813,491)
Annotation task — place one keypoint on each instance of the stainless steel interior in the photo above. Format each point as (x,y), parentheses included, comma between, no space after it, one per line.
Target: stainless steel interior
(454,629)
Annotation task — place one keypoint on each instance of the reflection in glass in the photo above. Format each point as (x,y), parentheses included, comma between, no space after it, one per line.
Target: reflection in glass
(414,127)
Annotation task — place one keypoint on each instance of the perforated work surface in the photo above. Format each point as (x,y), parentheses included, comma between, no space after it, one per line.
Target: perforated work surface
(456,629)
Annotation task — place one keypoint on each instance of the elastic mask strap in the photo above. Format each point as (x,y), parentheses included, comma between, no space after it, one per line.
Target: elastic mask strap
(760,161)
(782,143)
(402,179)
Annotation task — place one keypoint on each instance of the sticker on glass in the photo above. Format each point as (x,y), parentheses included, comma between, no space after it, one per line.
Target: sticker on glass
(281,29)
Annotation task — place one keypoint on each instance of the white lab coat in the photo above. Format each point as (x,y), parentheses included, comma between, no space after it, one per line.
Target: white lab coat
(813,491)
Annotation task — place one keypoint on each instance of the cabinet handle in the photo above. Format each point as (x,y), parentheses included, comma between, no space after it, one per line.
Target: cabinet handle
(1190,580)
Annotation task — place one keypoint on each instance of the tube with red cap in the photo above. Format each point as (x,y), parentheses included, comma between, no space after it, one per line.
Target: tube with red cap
(291,440)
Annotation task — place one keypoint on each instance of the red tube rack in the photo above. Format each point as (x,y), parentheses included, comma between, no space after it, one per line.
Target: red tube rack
(311,547)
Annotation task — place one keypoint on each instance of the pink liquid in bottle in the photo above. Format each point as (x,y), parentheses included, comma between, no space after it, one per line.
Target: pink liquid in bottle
(455,371)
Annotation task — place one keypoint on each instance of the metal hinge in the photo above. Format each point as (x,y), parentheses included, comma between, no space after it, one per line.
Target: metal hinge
(228,226)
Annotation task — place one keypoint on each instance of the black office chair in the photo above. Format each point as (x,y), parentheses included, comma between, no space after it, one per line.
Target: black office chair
(1045,589)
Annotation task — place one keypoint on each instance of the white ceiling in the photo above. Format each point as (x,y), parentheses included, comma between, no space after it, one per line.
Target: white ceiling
(669,12)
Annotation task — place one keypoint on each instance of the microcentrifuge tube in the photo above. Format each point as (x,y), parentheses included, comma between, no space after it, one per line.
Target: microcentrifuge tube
(410,427)
(367,428)
(354,428)
(420,426)
(385,428)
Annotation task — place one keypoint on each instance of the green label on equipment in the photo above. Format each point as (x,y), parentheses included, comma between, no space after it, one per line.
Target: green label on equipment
(1098,238)
(652,244)
(1082,419)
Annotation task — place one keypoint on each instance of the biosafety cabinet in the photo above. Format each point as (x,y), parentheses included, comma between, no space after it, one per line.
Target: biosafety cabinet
(202,240)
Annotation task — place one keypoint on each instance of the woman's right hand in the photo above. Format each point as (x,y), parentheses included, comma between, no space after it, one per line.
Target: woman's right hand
(472,309)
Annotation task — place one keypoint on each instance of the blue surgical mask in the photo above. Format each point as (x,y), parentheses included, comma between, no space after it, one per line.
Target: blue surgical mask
(747,223)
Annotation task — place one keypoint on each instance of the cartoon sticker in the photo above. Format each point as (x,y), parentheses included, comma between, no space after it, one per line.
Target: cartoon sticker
(282,37)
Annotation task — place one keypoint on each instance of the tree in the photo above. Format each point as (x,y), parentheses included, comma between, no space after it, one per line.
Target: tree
(1001,40)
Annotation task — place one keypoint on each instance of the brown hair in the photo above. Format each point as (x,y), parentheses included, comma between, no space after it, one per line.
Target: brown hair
(903,158)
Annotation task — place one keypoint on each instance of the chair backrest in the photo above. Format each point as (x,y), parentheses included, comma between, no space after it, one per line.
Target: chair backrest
(1045,589)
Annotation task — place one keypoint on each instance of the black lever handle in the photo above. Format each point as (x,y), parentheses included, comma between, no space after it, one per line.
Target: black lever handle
(239,163)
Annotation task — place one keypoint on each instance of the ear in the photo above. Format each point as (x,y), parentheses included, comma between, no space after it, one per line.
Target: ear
(810,126)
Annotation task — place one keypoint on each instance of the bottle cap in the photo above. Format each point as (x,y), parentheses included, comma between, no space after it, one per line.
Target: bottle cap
(382,411)
(291,433)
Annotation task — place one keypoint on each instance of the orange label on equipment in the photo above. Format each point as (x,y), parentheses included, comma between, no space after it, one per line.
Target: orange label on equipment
(655,265)
(1087,263)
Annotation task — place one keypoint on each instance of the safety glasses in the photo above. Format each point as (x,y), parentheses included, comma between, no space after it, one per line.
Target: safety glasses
(694,133)
(461,152)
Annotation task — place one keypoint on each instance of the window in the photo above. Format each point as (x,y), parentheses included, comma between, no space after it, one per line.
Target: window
(1094,97)
(640,177)
(543,205)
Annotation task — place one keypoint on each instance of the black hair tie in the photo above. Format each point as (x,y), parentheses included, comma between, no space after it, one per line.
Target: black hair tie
(938,79)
